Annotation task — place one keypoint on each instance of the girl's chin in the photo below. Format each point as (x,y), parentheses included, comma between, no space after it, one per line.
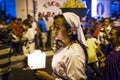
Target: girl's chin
(57,38)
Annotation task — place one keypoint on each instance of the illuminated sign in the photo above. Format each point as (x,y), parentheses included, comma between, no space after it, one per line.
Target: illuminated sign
(100,9)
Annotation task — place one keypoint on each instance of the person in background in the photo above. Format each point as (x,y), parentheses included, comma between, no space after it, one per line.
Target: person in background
(87,25)
(20,27)
(43,29)
(98,28)
(5,54)
(103,37)
(93,61)
(14,32)
(69,62)
(28,43)
(49,24)
(34,29)
(27,38)
(112,63)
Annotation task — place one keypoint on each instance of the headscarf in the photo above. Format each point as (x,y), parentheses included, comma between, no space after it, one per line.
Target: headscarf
(74,21)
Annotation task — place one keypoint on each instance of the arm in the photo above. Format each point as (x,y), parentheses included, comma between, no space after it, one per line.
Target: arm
(44,75)
(101,53)
(102,58)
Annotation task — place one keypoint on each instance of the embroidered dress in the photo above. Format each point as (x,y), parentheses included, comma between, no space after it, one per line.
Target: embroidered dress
(69,63)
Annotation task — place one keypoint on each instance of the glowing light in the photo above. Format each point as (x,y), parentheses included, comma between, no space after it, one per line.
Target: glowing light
(37,60)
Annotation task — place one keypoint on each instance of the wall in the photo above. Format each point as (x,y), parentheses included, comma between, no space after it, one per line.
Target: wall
(47,7)
(21,9)
(7,9)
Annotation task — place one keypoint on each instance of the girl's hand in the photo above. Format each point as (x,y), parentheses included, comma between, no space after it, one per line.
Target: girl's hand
(43,75)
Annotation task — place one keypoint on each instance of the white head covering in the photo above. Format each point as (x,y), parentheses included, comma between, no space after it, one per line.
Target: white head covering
(74,21)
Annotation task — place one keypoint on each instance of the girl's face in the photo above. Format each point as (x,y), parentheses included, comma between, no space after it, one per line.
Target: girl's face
(60,29)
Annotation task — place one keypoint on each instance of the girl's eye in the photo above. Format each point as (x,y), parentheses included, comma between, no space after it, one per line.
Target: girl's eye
(57,26)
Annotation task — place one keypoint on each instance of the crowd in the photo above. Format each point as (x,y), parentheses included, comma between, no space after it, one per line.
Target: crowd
(84,49)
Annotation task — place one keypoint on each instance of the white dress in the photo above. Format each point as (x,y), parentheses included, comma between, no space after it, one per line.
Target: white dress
(69,63)
(30,44)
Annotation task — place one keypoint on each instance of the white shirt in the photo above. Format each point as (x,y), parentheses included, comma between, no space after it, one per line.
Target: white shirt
(102,37)
(34,28)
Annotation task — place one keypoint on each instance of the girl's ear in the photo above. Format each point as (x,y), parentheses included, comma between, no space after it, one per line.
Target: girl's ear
(70,31)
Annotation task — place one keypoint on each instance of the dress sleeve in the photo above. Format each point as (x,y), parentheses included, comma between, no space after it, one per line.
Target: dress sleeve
(76,65)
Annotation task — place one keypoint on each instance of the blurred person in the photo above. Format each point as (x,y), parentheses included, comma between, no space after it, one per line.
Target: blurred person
(5,54)
(53,42)
(98,28)
(49,24)
(103,37)
(112,63)
(92,28)
(93,61)
(87,25)
(27,38)
(15,35)
(35,30)
(19,34)
(69,62)
(20,26)
(43,30)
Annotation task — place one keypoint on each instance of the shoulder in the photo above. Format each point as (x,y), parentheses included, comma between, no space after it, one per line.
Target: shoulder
(76,48)
(76,52)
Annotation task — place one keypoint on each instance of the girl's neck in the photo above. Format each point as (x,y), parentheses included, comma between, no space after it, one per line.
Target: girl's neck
(68,43)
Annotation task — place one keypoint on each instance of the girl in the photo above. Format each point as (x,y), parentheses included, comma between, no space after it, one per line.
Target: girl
(69,61)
